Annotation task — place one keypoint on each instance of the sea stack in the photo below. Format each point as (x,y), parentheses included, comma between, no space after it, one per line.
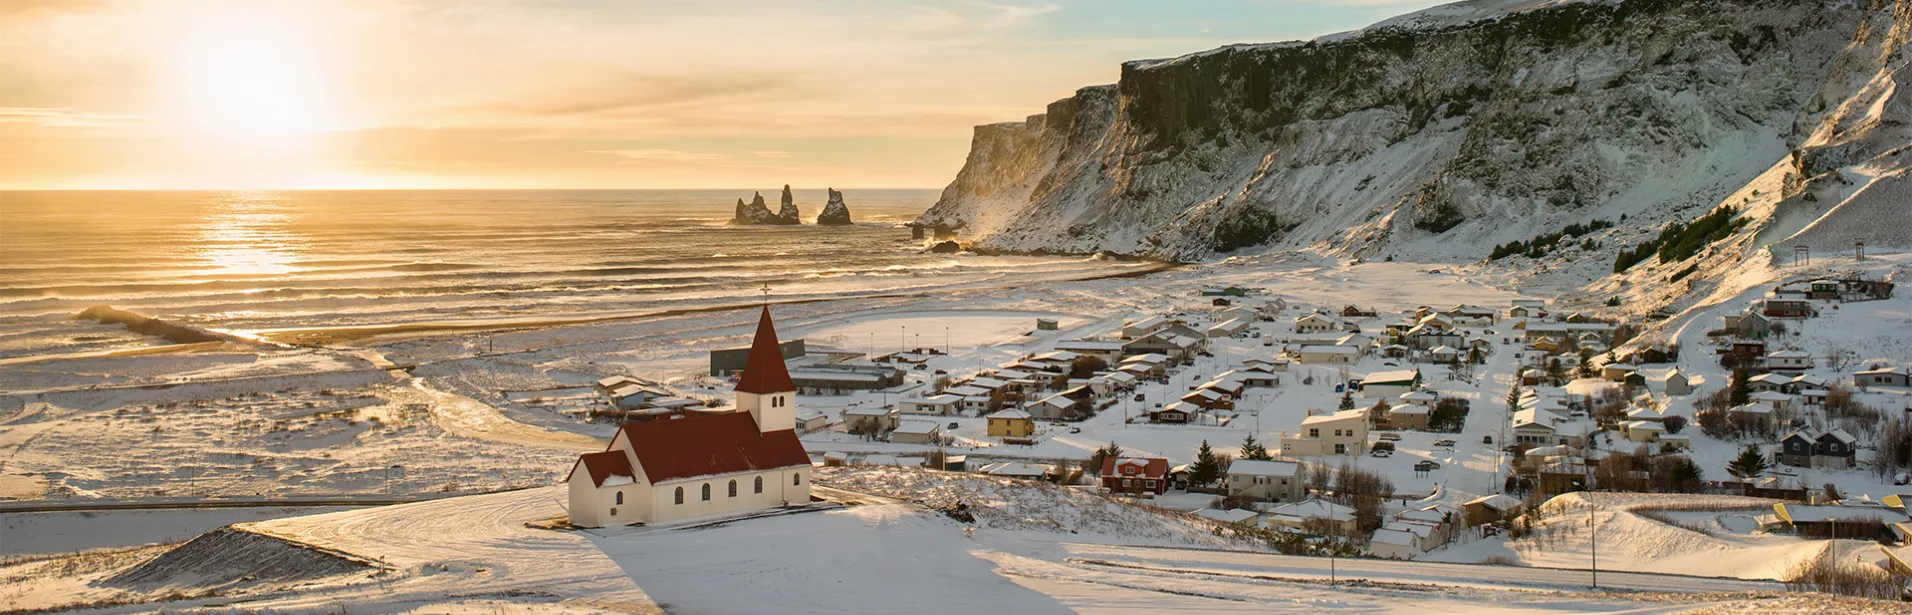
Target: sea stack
(758,212)
(789,209)
(835,212)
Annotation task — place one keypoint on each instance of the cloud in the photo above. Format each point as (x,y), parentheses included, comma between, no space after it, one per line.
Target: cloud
(64,118)
(771,154)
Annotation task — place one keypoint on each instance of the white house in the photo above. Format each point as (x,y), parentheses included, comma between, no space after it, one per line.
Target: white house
(1328,354)
(1316,323)
(1273,481)
(670,470)
(917,432)
(1338,519)
(1789,360)
(1340,433)
(1391,383)
(940,405)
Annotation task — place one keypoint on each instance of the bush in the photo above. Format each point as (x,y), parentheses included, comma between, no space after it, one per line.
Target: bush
(1540,245)
(1832,575)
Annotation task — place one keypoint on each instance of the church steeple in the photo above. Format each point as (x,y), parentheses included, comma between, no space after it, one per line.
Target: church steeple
(765,389)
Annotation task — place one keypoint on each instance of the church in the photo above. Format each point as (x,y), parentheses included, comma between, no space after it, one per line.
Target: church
(702,465)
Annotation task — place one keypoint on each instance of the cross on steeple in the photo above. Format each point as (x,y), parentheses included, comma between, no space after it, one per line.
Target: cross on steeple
(766,293)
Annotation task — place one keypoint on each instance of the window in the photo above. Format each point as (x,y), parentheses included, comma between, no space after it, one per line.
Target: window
(733,487)
(1128,482)
(680,495)
(759,484)
(707,492)
(613,512)
(620,498)
(796,479)
(1314,433)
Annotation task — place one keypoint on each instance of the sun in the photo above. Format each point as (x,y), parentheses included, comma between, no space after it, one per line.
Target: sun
(250,75)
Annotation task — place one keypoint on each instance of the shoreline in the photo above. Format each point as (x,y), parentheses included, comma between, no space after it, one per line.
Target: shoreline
(324,336)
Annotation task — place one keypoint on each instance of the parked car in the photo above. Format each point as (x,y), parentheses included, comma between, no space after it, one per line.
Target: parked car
(955,425)
(1448,443)
(1381,453)
(1141,397)
(1426,465)
(1389,437)
(1486,439)
(1075,430)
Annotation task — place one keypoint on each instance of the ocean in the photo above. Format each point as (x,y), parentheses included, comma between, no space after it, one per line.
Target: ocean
(249,261)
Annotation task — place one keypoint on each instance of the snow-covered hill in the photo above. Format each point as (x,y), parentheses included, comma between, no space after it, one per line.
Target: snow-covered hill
(1436,135)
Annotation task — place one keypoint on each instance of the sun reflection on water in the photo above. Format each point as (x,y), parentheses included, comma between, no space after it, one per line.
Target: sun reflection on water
(245,235)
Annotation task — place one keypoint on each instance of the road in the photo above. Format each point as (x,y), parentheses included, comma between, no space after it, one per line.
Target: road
(1291,567)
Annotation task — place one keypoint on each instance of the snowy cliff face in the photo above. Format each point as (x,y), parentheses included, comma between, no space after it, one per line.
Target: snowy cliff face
(1433,135)
(834,212)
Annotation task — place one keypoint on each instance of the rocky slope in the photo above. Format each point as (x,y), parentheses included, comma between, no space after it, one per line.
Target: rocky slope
(1439,134)
(834,212)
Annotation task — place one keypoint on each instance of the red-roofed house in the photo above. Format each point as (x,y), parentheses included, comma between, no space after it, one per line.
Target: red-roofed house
(1135,475)
(702,465)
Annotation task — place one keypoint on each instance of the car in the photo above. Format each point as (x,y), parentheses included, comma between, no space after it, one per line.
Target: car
(1427,465)
(1141,397)
(1390,437)
(1486,439)
(1443,443)
(955,425)
(1381,453)
(1075,430)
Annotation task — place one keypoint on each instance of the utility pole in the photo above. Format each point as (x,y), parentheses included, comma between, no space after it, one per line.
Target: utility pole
(1593,540)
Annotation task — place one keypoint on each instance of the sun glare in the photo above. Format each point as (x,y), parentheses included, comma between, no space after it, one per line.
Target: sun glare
(251,75)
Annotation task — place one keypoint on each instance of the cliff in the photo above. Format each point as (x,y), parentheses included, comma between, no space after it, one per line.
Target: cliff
(1433,135)
(834,212)
(758,212)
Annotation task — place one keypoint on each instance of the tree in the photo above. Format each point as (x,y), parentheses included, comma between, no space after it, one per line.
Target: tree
(1674,424)
(1250,449)
(1086,366)
(1095,461)
(1207,468)
(1347,401)
(1555,372)
(1585,370)
(1740,390)
(1749,464)
(1687,477)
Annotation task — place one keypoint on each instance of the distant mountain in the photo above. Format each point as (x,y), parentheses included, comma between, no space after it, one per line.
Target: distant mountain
(1439,134)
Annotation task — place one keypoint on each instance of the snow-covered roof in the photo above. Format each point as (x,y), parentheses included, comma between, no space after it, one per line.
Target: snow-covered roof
(1153,357)
(921,428)
(1499,501)
(1090,345)
(1391,536)
(1391,376)
(1770,396)
(1011,413)
(1226,516)
(1014,468)
(1410,409)
(1789,354)
(1344,415)
(1255,467)
(1337,349)
(1314,508)
(1800,513)
(1419,396)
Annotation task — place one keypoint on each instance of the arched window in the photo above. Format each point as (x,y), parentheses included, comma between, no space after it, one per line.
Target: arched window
(760,484)
(796,479)
(707,492)
(733,487)
(620,498)
(680,495)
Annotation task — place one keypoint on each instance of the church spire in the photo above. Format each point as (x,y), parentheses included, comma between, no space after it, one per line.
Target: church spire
(764,371)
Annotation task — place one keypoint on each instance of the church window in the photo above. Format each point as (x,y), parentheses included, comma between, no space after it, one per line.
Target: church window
(680,495)
(796,479)
(733,488)
(760,484)
(707,492)
(620,498)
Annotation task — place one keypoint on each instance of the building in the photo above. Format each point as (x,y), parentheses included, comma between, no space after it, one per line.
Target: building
(1316,323)
(1230,328)
(1391,383)
(1268,481)
(1140,328)
(1488,509)
(1071,405)
(872,420)
(1340,433)
(842,378)
(1177,413)
(1048,324)
(1789,361)
(1017,469)
(1315,516)
(809,420)
(1617,372)
(1882,377)
(1408,416)
(1330,354)
(1135,475)
(1834,449)
(940,405)
(1106,350)
(702,465)
(1177,341)
(1672,382)
(1787,308)
(1011,423)
(727,362)
(917,432)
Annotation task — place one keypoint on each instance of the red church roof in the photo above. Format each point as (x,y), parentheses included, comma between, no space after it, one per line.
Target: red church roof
(602,466)
(764,371)
(713,444)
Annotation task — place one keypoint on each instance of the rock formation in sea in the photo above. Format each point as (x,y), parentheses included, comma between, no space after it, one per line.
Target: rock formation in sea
(835,212)
(758,212)
(789,209)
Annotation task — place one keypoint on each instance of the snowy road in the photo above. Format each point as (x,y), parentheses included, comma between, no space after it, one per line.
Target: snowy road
(1254,565)
(474,419)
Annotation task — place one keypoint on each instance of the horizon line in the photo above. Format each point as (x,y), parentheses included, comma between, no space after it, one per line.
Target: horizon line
(489,189)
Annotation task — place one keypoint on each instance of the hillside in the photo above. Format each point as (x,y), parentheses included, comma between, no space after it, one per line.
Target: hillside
(1437,135)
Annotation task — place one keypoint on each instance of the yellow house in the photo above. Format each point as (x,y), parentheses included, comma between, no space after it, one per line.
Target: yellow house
(1011,423)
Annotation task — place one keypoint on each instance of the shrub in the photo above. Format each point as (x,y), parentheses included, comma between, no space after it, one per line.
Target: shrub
(1832,575)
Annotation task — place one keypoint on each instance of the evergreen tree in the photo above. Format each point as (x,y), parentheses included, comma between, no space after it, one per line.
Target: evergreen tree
(1207,468)
(1347,401)
(1586,364)
(1740,391)
(1749,464)
(1251,449)
(1095,461)
(1555,373)
(1687,476)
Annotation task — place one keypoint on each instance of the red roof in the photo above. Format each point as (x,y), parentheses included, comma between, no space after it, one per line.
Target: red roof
(604,465)
(713,444)
(1152,467)
(764,371)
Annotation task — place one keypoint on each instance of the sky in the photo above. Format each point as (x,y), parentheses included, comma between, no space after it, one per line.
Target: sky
(334,94)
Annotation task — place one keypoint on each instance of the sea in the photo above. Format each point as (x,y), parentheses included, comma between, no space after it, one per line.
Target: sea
(253,261)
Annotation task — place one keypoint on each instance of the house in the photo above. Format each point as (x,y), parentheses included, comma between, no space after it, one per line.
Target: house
(809,420)
(1209,399)
(1106,350)
(1391,383)
(940,405)
(701,465)
(918,432)
(1409,416)
(1862,522)
(1789,360)
(1071,405)
(1135,475)
(1617,372)
(1146,326)
(1229,291)
(1316,323)
(1016,469)
(1472,315)
(1239,515)
(1178,412)
(841,379)
(1394,543)
(1770,382)
(1011,423)
(1357,312)
(1317,354)
(1313,516)
(1643,431)
(1231,328)
(1522,311)
(1778,400)
(1787,308)
(872,420)
(1672,382)
(1834,449)
(1340,433)
(1269,481)
(1488,509)
(1749,325)
(1272,366)
(1753,415)
(1882,377)
(1177,341)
